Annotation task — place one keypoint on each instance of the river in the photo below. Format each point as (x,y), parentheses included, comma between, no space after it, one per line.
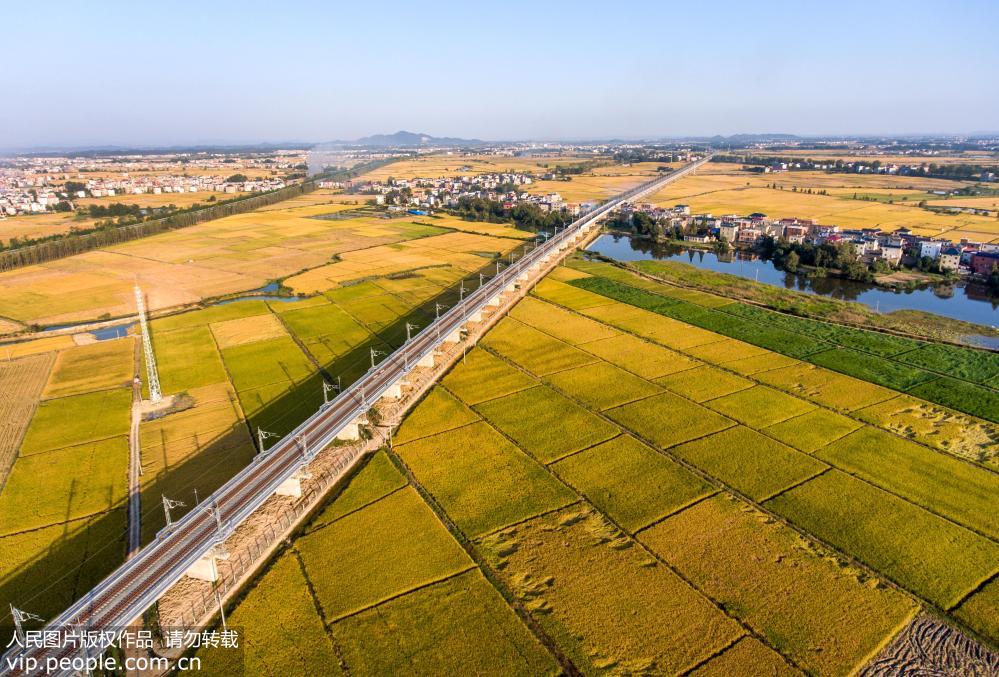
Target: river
(959,301)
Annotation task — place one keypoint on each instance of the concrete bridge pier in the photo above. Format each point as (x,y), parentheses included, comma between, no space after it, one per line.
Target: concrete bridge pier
(427,361)
(476,316)
(394,391)
(352,430)
(453,337)
(293,485)
(494,301)
(206,568)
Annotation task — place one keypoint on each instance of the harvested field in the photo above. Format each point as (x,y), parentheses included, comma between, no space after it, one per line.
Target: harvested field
(481,480)
(603,599)
(21,383)
(929,647)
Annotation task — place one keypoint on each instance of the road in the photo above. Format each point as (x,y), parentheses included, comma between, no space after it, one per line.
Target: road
(132,588)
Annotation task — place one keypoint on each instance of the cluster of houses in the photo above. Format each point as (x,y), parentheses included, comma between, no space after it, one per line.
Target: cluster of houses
(506,188)
(31,185)
(17,200)
(872,244)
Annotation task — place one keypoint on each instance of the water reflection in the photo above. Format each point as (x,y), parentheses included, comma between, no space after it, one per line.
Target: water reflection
(960,301)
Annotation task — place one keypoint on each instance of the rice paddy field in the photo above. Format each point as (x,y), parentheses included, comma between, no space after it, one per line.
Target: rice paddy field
(627,492)
(233,368)
(723,188)
(242,253)
(64,442)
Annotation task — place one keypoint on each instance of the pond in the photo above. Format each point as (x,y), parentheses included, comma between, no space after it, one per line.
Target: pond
(959,301)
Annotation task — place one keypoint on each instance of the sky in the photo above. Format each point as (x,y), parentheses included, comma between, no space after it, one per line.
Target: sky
(173,73)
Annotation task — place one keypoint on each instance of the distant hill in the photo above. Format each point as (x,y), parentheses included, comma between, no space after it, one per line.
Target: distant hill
(406,139)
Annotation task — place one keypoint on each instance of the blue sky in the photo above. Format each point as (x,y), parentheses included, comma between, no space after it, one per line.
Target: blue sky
(207,72)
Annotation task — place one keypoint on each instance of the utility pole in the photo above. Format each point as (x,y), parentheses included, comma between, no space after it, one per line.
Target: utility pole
(21,617)
(329,387)
(153,376)
(481,280)
(303,445)
(263,435)
(169,505)
(375,353)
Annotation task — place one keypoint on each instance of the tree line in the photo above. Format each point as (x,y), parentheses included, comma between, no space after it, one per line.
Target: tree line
(525,215)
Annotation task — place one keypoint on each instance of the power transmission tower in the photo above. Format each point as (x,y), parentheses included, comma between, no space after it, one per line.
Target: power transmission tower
(155,395)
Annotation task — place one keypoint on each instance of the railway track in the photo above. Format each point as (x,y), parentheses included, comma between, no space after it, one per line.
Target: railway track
(124,595)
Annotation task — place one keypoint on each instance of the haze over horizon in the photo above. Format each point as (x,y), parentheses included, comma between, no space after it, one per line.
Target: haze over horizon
(186,73)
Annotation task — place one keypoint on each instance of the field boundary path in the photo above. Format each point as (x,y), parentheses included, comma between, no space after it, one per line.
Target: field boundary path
(204,535)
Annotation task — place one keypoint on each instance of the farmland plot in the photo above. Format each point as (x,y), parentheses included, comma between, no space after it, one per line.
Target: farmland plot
(822,615)
(21,383)
(481,480)
(397,541)
(544,423)
(81,369)
(534,350)
(668,419)
(648,360)
(631,482)
(751,463)
(605,601)
(932,557)
(478,634)
(482,376)
(602,385)
(76,419)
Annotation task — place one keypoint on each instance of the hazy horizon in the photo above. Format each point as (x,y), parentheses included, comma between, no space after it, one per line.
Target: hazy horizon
(236,73)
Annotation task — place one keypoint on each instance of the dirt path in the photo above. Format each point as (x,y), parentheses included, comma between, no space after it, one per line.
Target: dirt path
(134,471)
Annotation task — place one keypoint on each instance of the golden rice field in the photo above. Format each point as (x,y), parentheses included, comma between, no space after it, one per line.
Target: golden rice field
(63,425)
(724,189)
(40,225)
(180,200)
(433,166)
(965,157)
(648,500)
(230,255)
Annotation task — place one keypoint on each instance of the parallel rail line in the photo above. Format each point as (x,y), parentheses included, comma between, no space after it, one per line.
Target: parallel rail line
(132,588)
